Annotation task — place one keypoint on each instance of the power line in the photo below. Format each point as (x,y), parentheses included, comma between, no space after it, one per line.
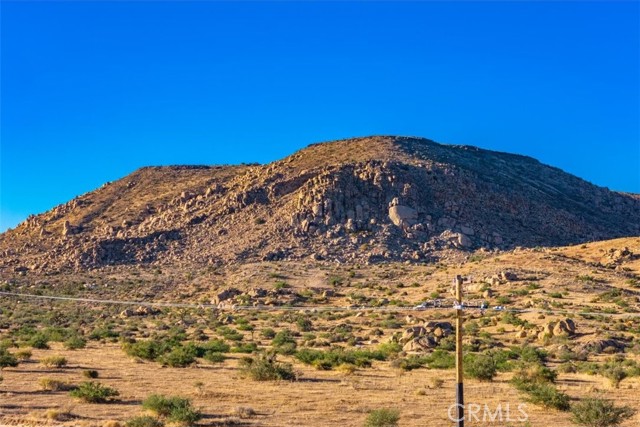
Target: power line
(430,305)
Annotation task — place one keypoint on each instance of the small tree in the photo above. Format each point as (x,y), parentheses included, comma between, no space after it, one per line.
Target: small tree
(598,412)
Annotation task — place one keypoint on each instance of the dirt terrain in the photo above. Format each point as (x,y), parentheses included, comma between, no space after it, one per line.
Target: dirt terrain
(327,307)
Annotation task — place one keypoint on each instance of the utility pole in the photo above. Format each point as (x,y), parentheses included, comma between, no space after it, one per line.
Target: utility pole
(459,360)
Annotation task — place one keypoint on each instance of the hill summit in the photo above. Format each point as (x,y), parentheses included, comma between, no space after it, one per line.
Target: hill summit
(373,199)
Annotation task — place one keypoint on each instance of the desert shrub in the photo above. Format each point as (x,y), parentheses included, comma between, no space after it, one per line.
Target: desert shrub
(244,412)
(597,412)
(304,325)
(437,382)
(390,348)
(409,363)
(75,343)
(103,333)
(216,346)
(541,392)
(245,348)
(441,359)
(144,421)
(52,384)
(147,349)
(54,362)
(7,359)
(230,334)
(615,374)
(93,392)
(173,408)
(90,373)
(268,333)
(284,342)
(535,374)
(530,354)
(59,415)
(179,357)
(214,357)
(266,368)
(39,341)
(337,356)
(23,355)
(480,366)
(382,418)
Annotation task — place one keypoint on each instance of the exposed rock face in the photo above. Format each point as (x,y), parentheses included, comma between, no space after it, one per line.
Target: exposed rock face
(360,200)
(424,338)
(562,328)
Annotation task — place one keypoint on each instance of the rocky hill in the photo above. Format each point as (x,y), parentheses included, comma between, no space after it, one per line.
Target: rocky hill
(358,200)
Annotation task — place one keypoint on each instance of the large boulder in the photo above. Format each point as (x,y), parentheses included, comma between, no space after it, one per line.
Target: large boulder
(402,215)
(225,295)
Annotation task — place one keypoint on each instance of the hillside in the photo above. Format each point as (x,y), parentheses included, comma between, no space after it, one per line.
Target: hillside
(360,200)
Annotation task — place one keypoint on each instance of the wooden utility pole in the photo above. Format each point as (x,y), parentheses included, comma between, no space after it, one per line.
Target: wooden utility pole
(459,360)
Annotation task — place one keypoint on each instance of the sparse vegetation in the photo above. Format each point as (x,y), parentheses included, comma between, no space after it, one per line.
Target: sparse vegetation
(266,368)
(172,408)
(599,412)
(94,392)
(382,418)
(54,362)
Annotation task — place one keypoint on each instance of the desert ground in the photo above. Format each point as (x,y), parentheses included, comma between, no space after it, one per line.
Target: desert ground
(594,285)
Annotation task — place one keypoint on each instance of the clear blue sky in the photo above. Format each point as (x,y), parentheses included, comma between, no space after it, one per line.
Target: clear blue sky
(93,90)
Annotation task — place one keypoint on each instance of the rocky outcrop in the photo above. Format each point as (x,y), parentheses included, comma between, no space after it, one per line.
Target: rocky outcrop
(563,328)
(362,200)
(426,337)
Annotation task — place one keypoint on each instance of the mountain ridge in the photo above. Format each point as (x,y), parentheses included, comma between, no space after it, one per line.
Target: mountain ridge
(369,199)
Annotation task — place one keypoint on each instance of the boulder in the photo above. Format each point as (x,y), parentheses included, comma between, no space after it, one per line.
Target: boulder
(225,295)
(464,240)
(402,215)
(413,332)
(521,334)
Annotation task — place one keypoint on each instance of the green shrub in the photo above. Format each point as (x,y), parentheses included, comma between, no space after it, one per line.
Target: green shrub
(215,346)
(409,363)
(230,334)
(148,350)
(75,343)
(94,392)
(337,356)
(179,357)
(268,333)
(246,348)
(441,359)
(480,366)
(54,362)
(7,359)
(382,418)
(615,374)
(304,325)
(542,393)
(597,412)
(173,408)
(39,341)
(535,374)
(144,421)
(214,357)
(266,368)
(90,373)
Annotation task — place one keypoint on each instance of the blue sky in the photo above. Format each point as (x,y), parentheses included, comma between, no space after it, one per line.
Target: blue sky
(93,90)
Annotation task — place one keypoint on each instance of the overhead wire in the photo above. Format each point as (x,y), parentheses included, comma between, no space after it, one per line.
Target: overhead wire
(435,305)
